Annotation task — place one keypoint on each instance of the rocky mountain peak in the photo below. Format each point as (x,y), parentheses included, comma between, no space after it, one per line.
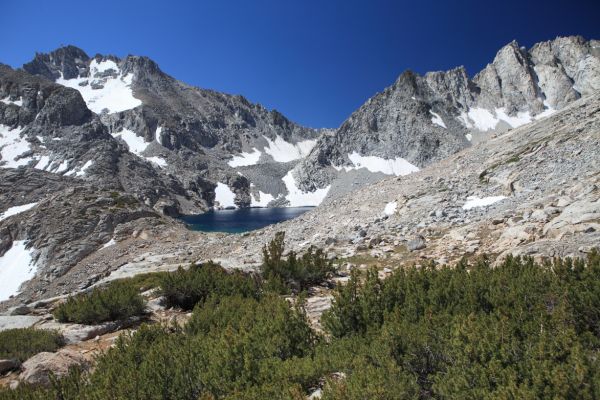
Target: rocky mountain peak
(68,62)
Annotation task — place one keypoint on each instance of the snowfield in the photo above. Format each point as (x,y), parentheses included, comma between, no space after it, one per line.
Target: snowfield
(283,151)
(16,267)
(484,120)
(245,159)
(397,166)
(298,198)
(16,210)
(474,201)
(114,95)
(224,196)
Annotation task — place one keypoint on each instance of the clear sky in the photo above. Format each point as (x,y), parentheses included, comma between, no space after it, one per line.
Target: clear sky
(315,61)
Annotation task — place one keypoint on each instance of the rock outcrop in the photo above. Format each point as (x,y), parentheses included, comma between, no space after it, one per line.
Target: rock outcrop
(423,119)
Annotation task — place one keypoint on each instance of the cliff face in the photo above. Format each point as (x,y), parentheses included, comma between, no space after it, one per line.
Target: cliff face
(423,119)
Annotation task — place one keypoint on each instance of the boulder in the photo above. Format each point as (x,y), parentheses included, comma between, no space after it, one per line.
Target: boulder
(17,321)
(416,243)
(37,369)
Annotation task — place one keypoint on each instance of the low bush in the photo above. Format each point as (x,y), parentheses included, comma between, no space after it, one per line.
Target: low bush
(117,301)
(20,344)
(521,330)
(186,288)
(294,272)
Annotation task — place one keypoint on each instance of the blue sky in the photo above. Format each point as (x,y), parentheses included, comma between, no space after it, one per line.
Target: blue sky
(315,61)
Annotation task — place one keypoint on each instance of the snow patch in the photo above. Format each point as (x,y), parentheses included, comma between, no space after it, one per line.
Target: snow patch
(12,145)
(62,167)
(436,119)
(157,135)
(224,196)
(485,120)
(283,151)
(16,267)
(397,166)
(82,170)
(161,162)
(16,210)
(43,163)
(390,208)
(109,243)
(262,200)
(474,201)
(112,93)
(520,119)
(244,159)
(15,102)
(298,198)
(135,143)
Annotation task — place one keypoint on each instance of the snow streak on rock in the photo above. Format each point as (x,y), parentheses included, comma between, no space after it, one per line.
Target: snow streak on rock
(16,210)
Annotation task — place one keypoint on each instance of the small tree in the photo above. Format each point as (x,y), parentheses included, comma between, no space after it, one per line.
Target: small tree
(298,272)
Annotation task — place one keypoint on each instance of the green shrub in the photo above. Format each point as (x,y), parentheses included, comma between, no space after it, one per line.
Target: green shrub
(117,301)
(520,330)
(20,344)
(186,288)
(295,272)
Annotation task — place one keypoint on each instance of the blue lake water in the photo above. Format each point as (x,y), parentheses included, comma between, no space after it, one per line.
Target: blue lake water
(241,220)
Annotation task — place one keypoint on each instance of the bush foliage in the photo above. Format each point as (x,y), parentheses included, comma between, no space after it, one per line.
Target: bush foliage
(116,301)
(20,344)
(295,272)
(520,330)
(186,288)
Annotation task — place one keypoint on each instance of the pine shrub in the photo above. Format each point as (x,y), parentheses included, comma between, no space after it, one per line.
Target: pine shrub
(118,300)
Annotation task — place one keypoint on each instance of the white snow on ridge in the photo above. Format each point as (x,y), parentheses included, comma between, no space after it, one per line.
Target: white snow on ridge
(298,198)
(16,267)
(397,166)
(103,66)
(283,151)
(16,210)
(224,195)
(115,95)
(390,208)
(244,159)
(161,162)
(436,119)
(474,201)
(7,100)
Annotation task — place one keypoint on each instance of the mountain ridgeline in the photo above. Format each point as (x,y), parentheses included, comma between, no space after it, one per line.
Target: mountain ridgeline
(95,150)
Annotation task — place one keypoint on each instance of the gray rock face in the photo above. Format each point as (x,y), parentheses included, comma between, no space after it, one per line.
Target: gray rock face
(195,131)
(423,119)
